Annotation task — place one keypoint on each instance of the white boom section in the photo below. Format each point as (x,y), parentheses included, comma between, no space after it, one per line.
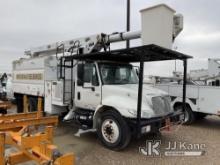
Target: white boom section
(87,44)
(124,36)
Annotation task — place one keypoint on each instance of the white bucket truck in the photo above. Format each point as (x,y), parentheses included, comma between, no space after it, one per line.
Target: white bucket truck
(99,87)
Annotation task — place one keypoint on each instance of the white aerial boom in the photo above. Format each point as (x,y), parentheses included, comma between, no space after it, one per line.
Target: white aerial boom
(159,26)
(85,44)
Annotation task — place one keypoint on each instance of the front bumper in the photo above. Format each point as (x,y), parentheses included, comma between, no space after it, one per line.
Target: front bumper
(154,125)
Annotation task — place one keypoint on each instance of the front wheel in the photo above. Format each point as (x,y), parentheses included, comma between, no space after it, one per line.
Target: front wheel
(113,130)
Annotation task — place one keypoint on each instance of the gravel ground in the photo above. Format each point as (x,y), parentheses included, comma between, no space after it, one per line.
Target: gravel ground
(88,150)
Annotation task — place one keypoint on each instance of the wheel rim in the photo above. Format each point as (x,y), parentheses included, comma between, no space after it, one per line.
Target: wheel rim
(110,130)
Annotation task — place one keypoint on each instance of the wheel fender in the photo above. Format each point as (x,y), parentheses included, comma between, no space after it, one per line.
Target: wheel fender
(98,111)
(178,101)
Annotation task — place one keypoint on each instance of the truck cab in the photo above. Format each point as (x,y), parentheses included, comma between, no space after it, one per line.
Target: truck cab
(115,85)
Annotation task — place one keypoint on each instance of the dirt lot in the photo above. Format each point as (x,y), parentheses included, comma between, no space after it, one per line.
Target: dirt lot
(88,149)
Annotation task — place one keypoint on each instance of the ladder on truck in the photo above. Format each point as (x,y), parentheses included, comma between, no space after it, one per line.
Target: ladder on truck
(64,68)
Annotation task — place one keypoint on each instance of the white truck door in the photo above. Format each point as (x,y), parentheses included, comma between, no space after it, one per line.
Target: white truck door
(88,87)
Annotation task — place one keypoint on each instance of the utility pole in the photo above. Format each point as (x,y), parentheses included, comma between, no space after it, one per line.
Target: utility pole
(128,22)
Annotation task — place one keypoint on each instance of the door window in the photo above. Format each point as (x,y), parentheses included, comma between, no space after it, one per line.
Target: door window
(90,74)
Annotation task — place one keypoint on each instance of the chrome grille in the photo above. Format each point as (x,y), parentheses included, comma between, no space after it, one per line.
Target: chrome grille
(161,105)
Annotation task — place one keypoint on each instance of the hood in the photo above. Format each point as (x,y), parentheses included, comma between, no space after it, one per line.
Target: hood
(132,89)
(124,98)
(147,90)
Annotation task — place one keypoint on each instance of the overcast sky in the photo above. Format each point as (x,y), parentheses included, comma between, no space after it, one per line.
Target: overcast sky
(28,23)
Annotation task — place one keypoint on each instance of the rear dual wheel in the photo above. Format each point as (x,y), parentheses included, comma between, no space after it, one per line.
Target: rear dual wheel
(190,116)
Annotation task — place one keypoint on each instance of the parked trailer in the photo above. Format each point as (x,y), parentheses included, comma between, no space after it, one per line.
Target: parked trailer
(200,100)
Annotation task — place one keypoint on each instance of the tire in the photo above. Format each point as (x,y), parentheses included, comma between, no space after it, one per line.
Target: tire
(189,115)
(121,135)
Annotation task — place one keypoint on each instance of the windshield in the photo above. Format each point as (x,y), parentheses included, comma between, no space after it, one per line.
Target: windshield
(117,74)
